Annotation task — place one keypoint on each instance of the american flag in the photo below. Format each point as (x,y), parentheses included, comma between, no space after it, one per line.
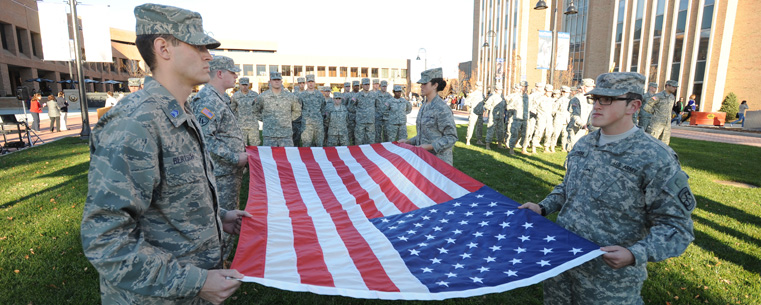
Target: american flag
(390,221)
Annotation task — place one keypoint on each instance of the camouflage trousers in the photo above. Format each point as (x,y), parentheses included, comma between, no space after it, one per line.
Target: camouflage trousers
(251,136)
(559,130)
(517,130)
(277,142)
(661,132)
(380,132)
(228,192)
(508,122)
(574,134)
(543,130)
(496,126)
(312,135)
(338,140)
(475,122)
(644,122)
(296,127)
(351,125)
(396,132)
(578,286)
(529,133)
(364,133)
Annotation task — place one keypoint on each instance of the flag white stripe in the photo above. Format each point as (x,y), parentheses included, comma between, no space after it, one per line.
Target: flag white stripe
(438,179)
(366,182)
(399,180)
(345,274)
(389,259)
(281,255)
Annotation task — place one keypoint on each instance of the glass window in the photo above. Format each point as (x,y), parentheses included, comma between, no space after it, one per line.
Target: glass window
(621,10)
(635,53)
(404,73)
(354,72)
(678,42)
(656,51)
(707,17)
(675,71)
(384,73)
(616,56)
(261,70)
(364,72)
(640,8)
(287,70)
(637,29)
(3,37)
(700,69)
(681,21)
(20,40)
(619,32)
(310,70)
(374,72)
(274,68)
(332,72)
(395,73)
(658,30)
(703,46)
(343,72)
(321,71)
(298,71)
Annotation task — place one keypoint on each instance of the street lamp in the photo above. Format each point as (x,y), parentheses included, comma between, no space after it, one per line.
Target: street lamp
(491,34)
(570,10)
(425,63)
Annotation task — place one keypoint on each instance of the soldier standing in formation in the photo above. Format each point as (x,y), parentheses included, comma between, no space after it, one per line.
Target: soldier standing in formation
(242,105)
(380,111)
(278,109)
(580,108)
(312,109)
(336,117)
(560,120)
(152,224)
(533,100)
(436,131)
(646,221)
(544,107)
(396,116)
(496,125)
(350,100)
(643,117)
(364,109)
(519,128)
(475,102)
(659,107)
(510,102)
(376,85)
(300,83)
(347,88)
(296,124)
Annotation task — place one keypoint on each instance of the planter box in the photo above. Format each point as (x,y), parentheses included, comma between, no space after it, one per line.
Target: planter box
(708,118)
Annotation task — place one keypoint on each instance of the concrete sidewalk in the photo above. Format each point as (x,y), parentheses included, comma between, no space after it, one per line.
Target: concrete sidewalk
(720,135)
(74,125)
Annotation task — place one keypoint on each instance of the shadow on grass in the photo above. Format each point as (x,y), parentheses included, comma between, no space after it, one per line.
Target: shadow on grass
(733,160)
(75,172)
(719,208)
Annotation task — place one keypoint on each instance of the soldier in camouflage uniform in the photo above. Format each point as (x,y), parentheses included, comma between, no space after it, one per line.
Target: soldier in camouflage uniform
(475,102)
(242,105)
(520,120)
(134,84)
(152,225)
(543,130)
(643,118)
(580,109)
(326,90)
(380,111)
(495,104)
(396,113)
(350,101)
(659,108)
(435,127)
(312,109)
(560,120)
(278,108)
(336,116)
(300,83)
(376,85)
(533,103)
(623,190)
(347,88)
(364,107)
(296,123)
(510,101)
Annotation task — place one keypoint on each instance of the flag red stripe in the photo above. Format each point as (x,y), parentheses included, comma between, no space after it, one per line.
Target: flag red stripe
(252,243)
(310,260)
(350,182)
(362,255)
(423,183)
(400,200)
(444,168)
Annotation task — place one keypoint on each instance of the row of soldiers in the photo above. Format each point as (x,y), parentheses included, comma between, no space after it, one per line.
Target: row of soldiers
(311,117)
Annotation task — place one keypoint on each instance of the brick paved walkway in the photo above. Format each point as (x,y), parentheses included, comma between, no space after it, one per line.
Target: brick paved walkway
(717,135)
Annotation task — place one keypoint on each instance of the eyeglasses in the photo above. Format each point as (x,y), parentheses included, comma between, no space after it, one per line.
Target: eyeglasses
(607,100)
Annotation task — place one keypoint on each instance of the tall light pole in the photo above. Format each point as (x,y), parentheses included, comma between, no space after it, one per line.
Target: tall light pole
(570,10)
(85,133)
(425,62)
(491,34)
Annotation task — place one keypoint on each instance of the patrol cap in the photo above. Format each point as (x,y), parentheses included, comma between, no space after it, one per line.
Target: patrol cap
(588,82)
(384,83)
(310,77)
(337,95)
(134,81)
(347,84)
(672,83)
(618,83)
(324,88)
(548,87)
(185,25)
(365,81)
(565,89)
(243,80)
(524,84)
(376,81)
(275,75)
(300,80)
(556,91)
(539,84)
(397,88)
(223,63)
(355,83)
(427,75)
(654,85)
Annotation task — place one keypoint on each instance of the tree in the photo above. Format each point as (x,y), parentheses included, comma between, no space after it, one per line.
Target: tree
(564,78)
(730,106)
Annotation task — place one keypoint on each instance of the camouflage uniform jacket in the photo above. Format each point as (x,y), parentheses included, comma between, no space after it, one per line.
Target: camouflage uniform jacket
(435,126)
(242,106)
(397,111)
(660,107)
(223,137)
(277,111)
(580,110)
(384,98)
(151,223)
(312,107)
(631,193)
(365,107)
(496,106)
(544,106)
(560,110)
(533,102)
(475,102)
(336,119)
(512,100)
(350,101)
(520,102)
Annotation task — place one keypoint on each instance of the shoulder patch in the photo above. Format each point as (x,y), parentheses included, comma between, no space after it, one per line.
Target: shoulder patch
(203,120)
(678,187)
(207,113)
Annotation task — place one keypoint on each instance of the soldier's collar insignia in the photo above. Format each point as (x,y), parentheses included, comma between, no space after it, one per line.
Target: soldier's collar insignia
(175,113)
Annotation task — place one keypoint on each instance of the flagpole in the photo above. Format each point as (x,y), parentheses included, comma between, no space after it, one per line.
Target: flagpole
(85,133)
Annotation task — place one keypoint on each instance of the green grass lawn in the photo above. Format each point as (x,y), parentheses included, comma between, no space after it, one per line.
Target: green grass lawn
(43,189)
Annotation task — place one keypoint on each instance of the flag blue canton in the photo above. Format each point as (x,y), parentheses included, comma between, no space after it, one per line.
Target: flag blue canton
(479,240)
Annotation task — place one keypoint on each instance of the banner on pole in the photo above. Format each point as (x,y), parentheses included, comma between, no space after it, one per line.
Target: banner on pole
(500,68)
(96,33)
(544,53)
(564,45)
(53,31)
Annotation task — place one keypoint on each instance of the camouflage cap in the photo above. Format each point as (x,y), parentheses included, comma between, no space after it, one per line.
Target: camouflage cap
(243,81)
(565,89)
(672,83)
(355,83)
(324,88)
(223,63)
(300,80)
(384,83)
(588,82)
(275,75)
(618,83)
(652,84)
(427,75)
(347,84)
(134,81)
(185,25)
(365,81)
(548,87)
(337,95)
(539,84)
(397,88)
(524,84)
(310,77)
(556,91)
(376,81)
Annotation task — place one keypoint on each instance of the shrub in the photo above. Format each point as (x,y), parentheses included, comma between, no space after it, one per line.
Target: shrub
(730,106)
